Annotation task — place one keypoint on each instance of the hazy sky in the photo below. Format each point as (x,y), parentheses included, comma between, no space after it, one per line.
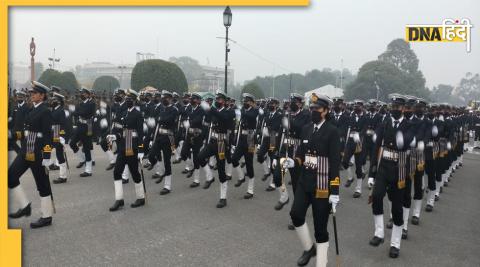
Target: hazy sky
(296,39)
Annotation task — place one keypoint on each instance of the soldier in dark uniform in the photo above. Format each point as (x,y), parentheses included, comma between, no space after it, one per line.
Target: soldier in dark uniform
(295,118)
(83,133)
(233,109)
(390,167)
(216,140)
(164,139)
(340,119)
(130,152)
(159,169)
(245,144)
(16,120)
(270,134)
(58,133)
(36,140)
(194,141)
(319,157)
(148,110)
(373,120)
(357,130)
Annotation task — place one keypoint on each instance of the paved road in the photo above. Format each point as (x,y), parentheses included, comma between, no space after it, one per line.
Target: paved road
(185,229)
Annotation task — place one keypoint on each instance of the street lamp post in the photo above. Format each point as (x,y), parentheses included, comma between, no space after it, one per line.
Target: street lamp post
(376,84)
(227,22)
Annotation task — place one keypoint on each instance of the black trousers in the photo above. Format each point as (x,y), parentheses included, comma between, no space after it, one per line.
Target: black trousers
(418,185)
(20,166)
(162,146)
(359,158)
(320,210)
(241,150)
(192,146)
(209,150)
(131,161)
(59,152)
(81,135)
(386,182)
(430,170)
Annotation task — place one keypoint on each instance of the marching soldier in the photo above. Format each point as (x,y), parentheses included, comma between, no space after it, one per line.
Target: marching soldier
(163,140)
(36,140)
(392,140)
(84,131)
(216,140)
(16,120)
(340,119)
(130,152)
(245,143)
(58,131)
(318,186)
(232,108)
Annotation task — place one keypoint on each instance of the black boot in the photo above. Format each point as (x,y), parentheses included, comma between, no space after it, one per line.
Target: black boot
(194,184)
(117,205)
(376,241)
(60,180)
(390,224)
(228,177)
(394,252)
(270,189)
(156,176)
(348,183)
(242,164)
(240,182)
(190,173)
(415,220)
(357,194)
(53,167)
(208,183)
(139,202)
(176,161)
(85,174)
(27,211)
(149,168)
(280,205)
(265,176)
(404,234)
(160,179)
(110,166)
(429,208)
(125,181)
(222,203)
(306,256)
(248,195)
(165,191)
(80,164)
(291,227)
(185,171)
(42,222)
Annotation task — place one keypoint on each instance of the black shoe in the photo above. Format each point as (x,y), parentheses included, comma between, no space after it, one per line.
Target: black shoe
(60,180)
(194,184)
(160,179)
(441,190)
(42,222)
(348,183)
(242,164)
(228,177)
(270,189)
(27,211)
(80,164)
(291,227)
(404,234)
(110,166)
(437,198)
(305,258)
(147,165)
(394,252)
(208,183)
(124,181)
(139,202)
(54,167)
(190,173)
(185,171)
(85,174)
(164,191)
(280,205)
(150,167)
(93,163)
(460,164)
(176,161)
(357,194)
(415,220)
(376,241)
(265,176)
(221,203)
(240,182)
(429,208)
(117,205)
(445,184)
(247,195)
(390,224)
(156,176)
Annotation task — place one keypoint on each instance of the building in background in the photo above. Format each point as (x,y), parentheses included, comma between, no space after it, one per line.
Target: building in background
(212,79)
(18,74)
(88,72)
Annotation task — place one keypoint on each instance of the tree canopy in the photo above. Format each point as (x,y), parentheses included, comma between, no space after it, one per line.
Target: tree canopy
(254,89)
(65,80)
(159,74)
(106,83)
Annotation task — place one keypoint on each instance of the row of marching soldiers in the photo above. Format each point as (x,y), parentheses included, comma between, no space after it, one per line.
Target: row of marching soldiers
(402,140)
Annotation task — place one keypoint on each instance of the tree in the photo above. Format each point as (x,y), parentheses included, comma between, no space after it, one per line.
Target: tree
(106,83)
(254,89)
(65,80)
(69,82)
(190,67)
(159,74)
(401,55)
(469,87)
(443,93)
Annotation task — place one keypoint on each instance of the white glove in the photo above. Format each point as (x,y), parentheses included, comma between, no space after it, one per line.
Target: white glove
(334,199)
(150,144)
(285,122)
(71,108)
(260,111)
(288,163)
(449,146)
(265,131)
(97,112)
(413,144)
(205,106)
(356,138)
(151,122)
(232,150)
(238,114)
(45,162)
(420,146)
(62,140)
(399,139)
(186,123)
(370,182)
(103,123)
(103,111)
(434,131)
(274,163)
(140,156)
(95,119)
(111,137)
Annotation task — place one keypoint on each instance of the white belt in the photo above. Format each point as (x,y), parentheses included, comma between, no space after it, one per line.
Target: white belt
(27,133)
(390,155)
(194,130)
(164,131)
(219,135)
(430,144)
(117,125)
(247,132)
(83,121)
(370,132)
